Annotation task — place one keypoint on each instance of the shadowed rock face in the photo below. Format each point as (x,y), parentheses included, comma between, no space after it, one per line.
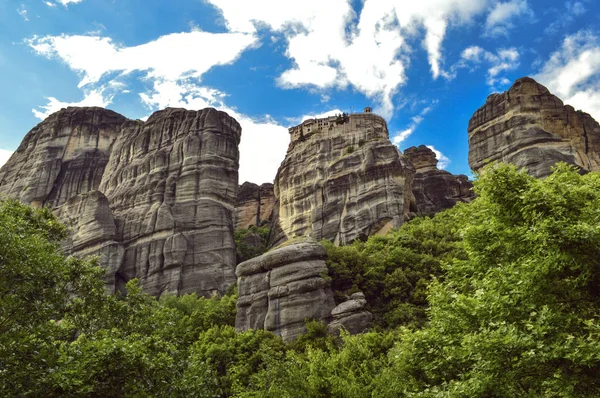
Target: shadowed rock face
(531,128)
(280,289)
(154,199)
(254,205)
(340,180)
(434,189)
(61,157)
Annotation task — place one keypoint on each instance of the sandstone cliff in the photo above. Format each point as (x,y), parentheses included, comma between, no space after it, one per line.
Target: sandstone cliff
(280,289)
(154,199)
(341,180)
(254,205)
(531,128)
(434,189)
(61,157)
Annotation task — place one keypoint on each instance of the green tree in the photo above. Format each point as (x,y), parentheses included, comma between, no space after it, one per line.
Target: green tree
(519,317)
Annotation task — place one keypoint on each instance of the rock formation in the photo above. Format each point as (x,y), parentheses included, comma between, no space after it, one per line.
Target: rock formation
(434,189)
(254,205)
(351,316)
(531,128)
(61,157)
(282,288)
(154,199)
(341,179)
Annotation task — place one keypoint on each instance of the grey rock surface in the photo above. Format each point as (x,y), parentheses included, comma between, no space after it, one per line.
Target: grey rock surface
(532,129)
(61,157)
(435,190)
(254,205)
(351,316)
(279,290)
(154,199)
(342,179)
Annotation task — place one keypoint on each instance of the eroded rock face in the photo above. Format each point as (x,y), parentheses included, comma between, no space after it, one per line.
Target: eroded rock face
(61,157)
(93,232)
(281,288)
(153,199)
(172,183)
(434,189)
(531,128)
(254,205)
(342,179)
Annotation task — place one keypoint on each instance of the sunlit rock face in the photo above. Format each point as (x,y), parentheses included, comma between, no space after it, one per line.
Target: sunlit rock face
(254,205)
(341,180)
(171,183)
(279,290)
(61,157)
(153,199)
(529,127)
(435,190)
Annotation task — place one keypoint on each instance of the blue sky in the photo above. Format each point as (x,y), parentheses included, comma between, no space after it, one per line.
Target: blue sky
(424,65)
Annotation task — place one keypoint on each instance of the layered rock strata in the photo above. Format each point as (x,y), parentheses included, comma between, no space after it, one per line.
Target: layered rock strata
(279,290)
(61,157)
(434,189)
(351,316)
(154,199)
(531,128)
(172,183)
(341,179)
(254,205)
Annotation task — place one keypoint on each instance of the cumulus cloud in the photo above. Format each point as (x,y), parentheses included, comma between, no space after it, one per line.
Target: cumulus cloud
(4,156)
(502,17)
(331,46)
(504,60)
(573,72)
(91,98)
(94,56)
(443,160)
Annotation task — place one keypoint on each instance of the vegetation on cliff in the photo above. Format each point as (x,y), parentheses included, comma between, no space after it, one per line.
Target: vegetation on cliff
(497,298)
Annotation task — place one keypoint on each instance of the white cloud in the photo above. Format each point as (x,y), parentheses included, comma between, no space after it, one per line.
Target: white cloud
(4,156)
(573,71)
(22,11)
(443,160)
(504,60)
(170,57)
(67,2)
(92,98)
(564,18)
(501,19)
(400,137)
(331,46)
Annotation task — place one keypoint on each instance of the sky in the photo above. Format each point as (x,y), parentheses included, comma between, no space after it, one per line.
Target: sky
(426,66)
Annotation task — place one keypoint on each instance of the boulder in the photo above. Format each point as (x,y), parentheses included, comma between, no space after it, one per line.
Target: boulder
(351,316)
(281,289)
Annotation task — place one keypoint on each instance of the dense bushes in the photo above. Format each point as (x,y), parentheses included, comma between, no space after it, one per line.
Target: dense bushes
(394,270)
(501,297)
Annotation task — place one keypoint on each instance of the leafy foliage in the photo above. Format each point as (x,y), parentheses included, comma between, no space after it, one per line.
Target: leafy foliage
(251,242)
(498,298)
(393,271)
